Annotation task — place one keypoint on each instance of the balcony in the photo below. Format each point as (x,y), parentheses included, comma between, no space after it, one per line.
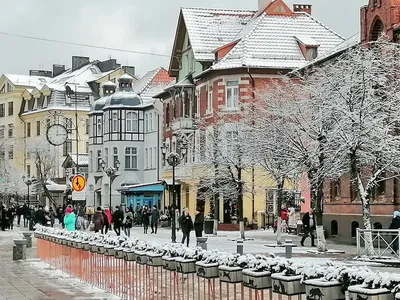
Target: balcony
(182,124)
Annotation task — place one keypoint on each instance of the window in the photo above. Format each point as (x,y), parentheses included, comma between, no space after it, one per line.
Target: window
(10,108)
(232,94)
(151,158)
(131,122)
(209,99)
(28,129)
(68,124)
(106,156)
(87,147)
(2,131)
(1,110)
(2,153)
(37,127)
(151,122)
(87,126)
(131,158)
(67,147)
(45,102)
(99,129)
(11,152)
(99,160)
(28,170)
(115,121)
(91,161)
(155,157)
(10,130)
(115,156)
(146,123)
(146,151)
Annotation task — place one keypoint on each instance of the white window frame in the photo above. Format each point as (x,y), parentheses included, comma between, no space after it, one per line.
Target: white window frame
(151,157)
(146,123)
(231,102)
(131,121)
(99,127)
(115,127)
(115,156)
(131,155)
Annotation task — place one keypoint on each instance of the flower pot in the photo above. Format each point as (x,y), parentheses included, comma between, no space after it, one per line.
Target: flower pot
(256,280)
(185,266)
(79,245)
(207,270)
(85,245)
(109,250)
(287,285)
(358,292)
(74,244)
(230,274)
(100,249)
(169,263)
(324,290)
(93,247)
(119,253)
(129,255)
(141,257)
(154,259)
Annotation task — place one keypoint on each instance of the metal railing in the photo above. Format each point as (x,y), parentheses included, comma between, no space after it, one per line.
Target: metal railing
(385,243)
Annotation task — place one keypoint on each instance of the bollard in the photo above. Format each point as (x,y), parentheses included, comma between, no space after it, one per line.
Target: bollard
(19,250)
(28,238)
(289,248)
(239,246)
(202,242)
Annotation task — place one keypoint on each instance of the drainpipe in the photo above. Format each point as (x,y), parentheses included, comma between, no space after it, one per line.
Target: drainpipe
(252,166)
(19,116)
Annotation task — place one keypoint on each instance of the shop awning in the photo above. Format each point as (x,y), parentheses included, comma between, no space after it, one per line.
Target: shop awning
(144,187)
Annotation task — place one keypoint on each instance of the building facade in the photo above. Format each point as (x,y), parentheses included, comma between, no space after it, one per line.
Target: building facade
(125,133)
(220,68)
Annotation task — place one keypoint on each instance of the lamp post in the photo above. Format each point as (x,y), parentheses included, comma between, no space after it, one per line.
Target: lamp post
(28,181)
(110,172)
(174,159)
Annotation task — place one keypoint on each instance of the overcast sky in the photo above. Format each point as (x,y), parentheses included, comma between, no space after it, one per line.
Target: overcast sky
(140,25)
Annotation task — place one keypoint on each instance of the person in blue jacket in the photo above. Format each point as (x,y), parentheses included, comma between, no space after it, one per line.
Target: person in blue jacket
(69,219)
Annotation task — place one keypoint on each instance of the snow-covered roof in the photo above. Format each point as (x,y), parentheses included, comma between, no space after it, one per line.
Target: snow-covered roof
(83,158)
(151,84)
(271,41)
(27,80)
(210,29)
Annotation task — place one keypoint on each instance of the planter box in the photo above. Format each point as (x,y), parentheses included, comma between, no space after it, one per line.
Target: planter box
(230,274)
(324,290)
(85,245)
(287,285)
(185,266)
(154,259)
(141,257)
(129,255)
(79,245)
(169,263)
(109,250)
(64,241)
(397,297)
(358,292)
(208,271)
(164,223)
(119,253)
(93,247)
(257,280)
(100,249)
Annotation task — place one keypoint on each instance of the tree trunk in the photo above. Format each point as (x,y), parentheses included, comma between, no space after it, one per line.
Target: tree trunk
(240,204)
(366,215)
(279,195)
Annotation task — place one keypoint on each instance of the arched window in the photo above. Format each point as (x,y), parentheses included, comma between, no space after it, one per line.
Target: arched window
(334,228)
(131,122)
(377,30)
(115,156)
(151,122)
(354,226)
(146,123)
(115,122)
(99,127)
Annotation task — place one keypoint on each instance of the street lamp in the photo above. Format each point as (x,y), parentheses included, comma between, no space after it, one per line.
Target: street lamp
(28,181)
(110,172)
(174,159)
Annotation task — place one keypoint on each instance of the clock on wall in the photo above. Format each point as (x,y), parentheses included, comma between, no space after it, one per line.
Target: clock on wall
(57,134)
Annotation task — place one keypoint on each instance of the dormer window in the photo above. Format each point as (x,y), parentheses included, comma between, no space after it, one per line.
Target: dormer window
(308,46)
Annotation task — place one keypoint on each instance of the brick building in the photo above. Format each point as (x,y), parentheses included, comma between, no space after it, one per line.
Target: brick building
(222,58)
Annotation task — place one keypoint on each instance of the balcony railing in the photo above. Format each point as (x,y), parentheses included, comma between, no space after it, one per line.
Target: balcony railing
(385,244)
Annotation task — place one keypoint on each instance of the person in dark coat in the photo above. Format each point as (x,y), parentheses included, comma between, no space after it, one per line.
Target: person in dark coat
(40,216)
(395,224)
(186,226)
(27,214)
(309,227)
(10,217)
(98,220)
(198,224)
(145,219)
(20,213)
(3,216)
(106,224)
(117,218)
(155,216)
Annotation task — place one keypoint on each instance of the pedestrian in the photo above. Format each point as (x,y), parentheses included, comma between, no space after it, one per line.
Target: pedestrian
(292,222)
(108,213)
(128,222)
(69,219)
(106,223)
(53,216)
(26,214)
(395,224)
(138,215)
(186,226)
(39,216)
(309,227)
(117,218)
(145,219)
(20,213)
(155,216)
(47,217)
(198,224)
(3,214)
(10,217)
(98,220)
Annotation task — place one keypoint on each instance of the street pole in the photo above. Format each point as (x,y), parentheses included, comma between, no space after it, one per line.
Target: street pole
(28,194)
(173,236)
(110,191)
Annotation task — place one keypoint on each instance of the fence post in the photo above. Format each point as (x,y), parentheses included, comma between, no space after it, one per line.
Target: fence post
(358,242)
(289,248)
(239,246)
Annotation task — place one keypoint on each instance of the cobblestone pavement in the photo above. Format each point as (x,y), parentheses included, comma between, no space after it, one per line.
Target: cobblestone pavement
(34,280)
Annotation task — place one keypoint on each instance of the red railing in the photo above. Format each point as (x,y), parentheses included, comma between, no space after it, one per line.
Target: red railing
(131,280)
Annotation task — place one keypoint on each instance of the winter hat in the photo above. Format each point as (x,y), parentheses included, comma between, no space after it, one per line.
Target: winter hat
(69,210)
(396,214)
(46,208)
(99,209)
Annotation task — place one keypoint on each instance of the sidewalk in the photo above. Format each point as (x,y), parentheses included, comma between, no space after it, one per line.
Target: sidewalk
(32,279)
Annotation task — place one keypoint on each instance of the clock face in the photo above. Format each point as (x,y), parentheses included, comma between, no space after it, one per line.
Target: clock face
(57,134)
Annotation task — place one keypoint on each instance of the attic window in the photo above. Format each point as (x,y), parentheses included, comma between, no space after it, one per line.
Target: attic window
(308,46)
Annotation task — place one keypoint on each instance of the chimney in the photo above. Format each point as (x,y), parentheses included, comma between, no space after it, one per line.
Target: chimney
(129,69)
(302,8)
(58,69)
(79,61)
(262,4)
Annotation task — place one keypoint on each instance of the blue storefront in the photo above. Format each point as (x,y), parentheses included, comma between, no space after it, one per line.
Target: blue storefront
(143,194)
